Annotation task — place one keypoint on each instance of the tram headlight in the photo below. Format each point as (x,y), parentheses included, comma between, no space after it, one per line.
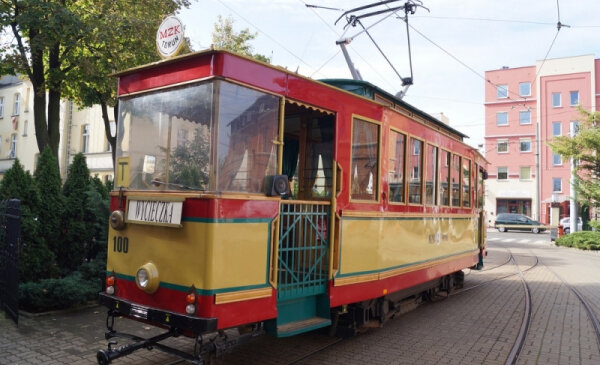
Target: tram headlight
(117,220)
(146,278)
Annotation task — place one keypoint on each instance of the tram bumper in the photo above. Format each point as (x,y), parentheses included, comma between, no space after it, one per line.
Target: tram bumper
(196,325)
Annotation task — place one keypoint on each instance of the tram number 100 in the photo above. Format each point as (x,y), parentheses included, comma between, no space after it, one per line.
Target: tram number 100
(120,244)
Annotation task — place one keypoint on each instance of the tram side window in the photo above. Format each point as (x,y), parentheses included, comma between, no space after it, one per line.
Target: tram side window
(456,166)
(445,177)
(431,175)
(365,157)
(480,188)
(466,183)
(415,186)
(396,167)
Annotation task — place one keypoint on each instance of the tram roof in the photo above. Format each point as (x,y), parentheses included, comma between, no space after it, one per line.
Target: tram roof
(358,87)
(370,91)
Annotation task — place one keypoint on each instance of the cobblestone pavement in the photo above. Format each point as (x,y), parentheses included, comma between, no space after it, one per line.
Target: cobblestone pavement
(476,325)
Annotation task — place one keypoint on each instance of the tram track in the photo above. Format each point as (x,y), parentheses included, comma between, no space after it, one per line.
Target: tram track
(519,343)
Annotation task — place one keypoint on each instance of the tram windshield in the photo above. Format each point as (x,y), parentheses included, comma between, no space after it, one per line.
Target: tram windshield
(214,135)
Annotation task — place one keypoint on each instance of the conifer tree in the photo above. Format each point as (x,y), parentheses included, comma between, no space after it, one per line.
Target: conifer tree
(77,235)
(36,261)
(52,202)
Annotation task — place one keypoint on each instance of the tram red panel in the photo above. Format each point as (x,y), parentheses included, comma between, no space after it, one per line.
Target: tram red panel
(167,74)
(238,313)
(249,72)
(340,295)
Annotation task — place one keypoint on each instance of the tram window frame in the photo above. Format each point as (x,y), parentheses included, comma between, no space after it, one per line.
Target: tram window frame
(466,198)
(456,168)
(393,159)
(420,171)
(445,164)
(355,191)
(435,183)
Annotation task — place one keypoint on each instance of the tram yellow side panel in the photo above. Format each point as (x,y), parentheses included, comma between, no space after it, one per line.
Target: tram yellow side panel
(207,255)
(372,245)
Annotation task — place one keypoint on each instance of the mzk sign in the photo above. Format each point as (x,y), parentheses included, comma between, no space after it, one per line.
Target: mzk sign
(169,37)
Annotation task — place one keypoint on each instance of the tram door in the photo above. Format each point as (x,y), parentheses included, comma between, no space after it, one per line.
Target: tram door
(304,221)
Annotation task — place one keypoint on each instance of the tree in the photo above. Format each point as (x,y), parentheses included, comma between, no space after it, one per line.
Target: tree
(129,41)
(52,203)
(224,37)
(77,235)
(584,148)
(37,261)
(61,45)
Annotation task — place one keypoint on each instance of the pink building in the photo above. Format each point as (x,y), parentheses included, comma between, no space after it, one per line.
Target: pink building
(525,105)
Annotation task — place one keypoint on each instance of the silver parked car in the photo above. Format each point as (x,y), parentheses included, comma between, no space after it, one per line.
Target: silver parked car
(566,223)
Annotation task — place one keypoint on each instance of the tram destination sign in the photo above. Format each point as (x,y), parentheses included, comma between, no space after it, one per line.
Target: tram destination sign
(169,37)
(155,212)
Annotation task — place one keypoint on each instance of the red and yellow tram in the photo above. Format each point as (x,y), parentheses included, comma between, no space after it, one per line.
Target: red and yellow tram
(249,196)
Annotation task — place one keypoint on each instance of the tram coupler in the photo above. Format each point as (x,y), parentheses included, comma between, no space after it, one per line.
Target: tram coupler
(105,357)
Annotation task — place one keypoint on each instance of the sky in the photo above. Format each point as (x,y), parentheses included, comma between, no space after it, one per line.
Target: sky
(453,43)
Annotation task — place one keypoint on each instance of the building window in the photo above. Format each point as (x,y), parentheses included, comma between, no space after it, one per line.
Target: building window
(13,146)
(502,173)
(1,107)
(525,145)
(85,138)
(556,184)
(415,185)
(575,127)
(396,166)
(25,127)
(574,98)
(525,117)
(556,159)
(365,157)
(556,129)
(501,118)
(525,173)
(556,100)
(525,89)
(17,104)
(502,91)
(502,145)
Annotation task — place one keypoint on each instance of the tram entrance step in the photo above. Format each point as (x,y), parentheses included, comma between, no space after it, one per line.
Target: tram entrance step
(292,328)
(299,315)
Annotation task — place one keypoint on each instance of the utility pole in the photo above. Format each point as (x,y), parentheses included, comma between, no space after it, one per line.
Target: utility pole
(574,128)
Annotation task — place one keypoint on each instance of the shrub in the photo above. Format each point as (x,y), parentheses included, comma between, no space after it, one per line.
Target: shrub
(37,261)
(51,294)
(585,240)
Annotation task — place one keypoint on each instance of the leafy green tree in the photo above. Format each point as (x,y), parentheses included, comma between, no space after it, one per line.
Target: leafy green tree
(189,161)
(77,236)
(52,202)
(128,41)
(225,37)
(67,48)
(584,147)
(36,261)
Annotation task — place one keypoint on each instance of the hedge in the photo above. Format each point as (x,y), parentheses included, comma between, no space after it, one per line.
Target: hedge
(585,240)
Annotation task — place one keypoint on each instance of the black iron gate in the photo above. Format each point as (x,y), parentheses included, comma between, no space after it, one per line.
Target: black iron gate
(10,237)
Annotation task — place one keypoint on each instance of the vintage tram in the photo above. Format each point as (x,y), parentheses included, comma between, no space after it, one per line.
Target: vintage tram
(247,196)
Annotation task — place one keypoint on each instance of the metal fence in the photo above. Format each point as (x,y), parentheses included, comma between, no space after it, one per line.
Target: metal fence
(10,238)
